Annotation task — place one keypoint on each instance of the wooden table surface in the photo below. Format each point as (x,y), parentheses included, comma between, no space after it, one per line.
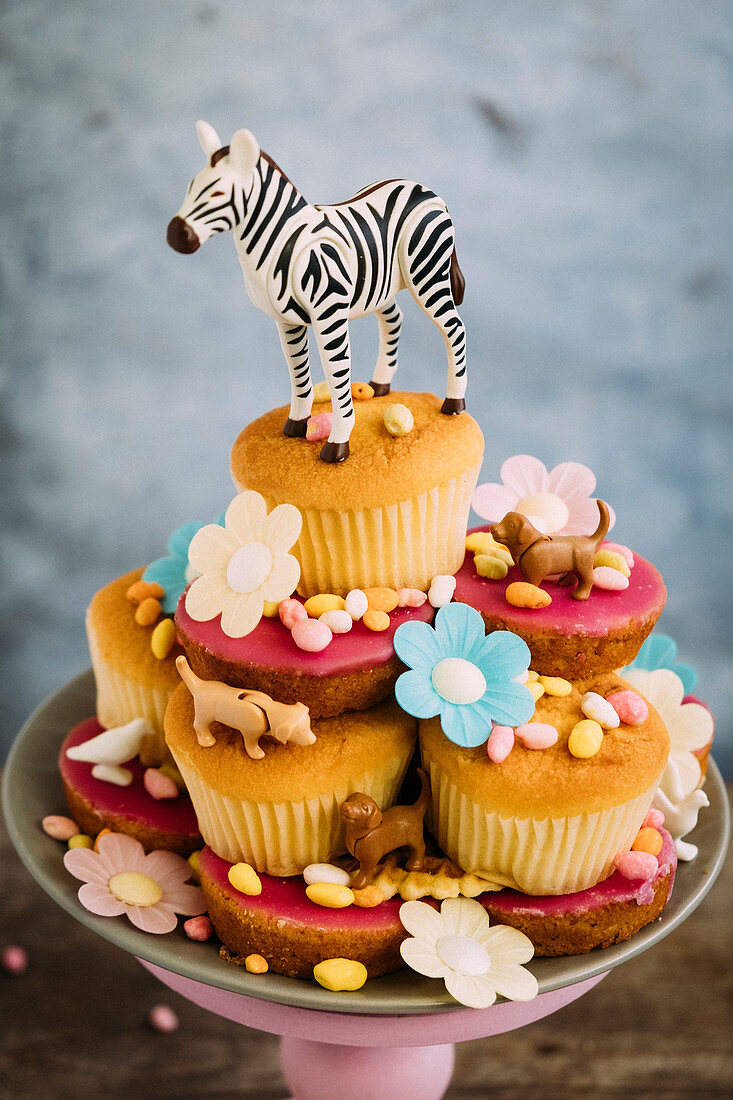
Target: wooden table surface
(75,1024)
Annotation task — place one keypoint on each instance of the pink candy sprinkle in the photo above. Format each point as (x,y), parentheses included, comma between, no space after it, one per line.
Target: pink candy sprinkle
(536,735)
(14,960)
(411,597)
(630,707)
(637,865)
(500,743)
(158,785)
(198,928)
(319,426)
(617,548)
(59,827)
(311,635)
(654,819)
(162,1018)
(291,612)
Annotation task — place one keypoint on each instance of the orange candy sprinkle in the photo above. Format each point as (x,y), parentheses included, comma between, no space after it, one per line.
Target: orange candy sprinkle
(361,391)
(376,620)
(100,834)
(381,599)
(148,612)
(648,840)
(368,898)
(142,590)
(256,964)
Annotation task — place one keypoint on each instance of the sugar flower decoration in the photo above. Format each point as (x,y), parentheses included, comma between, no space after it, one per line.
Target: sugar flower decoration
(660,651)
(244,564)
(120,878)
(475,961)
(463,675)
(558,502)
(173,572)
(690,727)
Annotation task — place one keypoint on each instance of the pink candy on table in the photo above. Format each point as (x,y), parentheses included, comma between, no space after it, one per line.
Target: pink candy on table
(158,785)
(198,928)
(291,612)
(536,735)
(319,426)
(14,960)
(162,1018)
(59,827)
(311,635)
(500,743)
(637,865)
(610,579)
(654,819)
(630,707)
(411,597)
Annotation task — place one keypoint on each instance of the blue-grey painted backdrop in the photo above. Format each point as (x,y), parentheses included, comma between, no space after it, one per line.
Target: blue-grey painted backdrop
(584,149)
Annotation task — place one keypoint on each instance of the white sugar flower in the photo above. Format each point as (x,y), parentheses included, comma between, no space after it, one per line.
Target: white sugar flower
(689,725)
(244,564)
(475,961)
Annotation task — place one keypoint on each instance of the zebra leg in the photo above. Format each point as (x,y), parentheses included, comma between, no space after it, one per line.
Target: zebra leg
(294,342)
(332,338)
(389,320)
(426,267)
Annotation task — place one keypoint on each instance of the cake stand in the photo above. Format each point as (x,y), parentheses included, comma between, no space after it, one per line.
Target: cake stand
(391,1040)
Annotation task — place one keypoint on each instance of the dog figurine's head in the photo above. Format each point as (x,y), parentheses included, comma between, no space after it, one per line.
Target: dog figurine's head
(516,532)
(361,811)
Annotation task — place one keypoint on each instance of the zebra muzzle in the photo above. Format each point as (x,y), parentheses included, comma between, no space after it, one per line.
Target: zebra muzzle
(181,237)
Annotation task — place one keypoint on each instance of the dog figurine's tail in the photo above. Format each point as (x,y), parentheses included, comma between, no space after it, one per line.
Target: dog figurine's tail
(423,799)
(187,674)
(603,524)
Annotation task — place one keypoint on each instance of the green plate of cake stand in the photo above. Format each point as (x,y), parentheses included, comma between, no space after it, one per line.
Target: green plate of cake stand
(394,1036)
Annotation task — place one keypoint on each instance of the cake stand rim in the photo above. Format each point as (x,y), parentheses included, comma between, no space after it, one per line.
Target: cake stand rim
(30,775)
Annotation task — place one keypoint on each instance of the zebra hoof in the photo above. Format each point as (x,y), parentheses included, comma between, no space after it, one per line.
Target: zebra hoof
(334,452)
(380,388)
(453,405)
(295,428)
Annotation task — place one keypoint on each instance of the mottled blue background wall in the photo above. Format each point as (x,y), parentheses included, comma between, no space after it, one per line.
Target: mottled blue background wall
(584,149)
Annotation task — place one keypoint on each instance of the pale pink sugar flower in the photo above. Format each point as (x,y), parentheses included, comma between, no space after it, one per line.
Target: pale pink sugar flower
(557,503)
(120,878)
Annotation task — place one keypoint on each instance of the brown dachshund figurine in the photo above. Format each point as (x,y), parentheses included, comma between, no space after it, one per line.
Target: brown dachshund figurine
(371,834)
(539,556)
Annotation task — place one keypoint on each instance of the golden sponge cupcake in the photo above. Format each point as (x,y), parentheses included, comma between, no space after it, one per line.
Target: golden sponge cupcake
(553,814)
(394,514)
(279,811)
(132,682)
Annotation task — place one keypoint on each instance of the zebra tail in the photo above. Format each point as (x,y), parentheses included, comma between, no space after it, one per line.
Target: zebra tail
(457,281)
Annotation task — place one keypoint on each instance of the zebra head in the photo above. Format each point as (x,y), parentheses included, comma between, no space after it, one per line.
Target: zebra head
(216,198)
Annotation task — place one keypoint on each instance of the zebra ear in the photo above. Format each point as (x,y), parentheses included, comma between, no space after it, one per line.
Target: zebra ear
(244,152)
(209,140)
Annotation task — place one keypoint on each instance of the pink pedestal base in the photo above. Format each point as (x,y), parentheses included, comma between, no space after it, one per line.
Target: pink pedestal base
(382,1057)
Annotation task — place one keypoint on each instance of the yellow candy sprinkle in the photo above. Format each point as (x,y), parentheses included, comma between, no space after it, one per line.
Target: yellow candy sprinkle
(556,685)
(135,888)
(245,879)
(523,594)
(486,565)
(398,420)
(80,840)
(256,964)
(330,895)
(481,542)
(585,739)
(612,560)
(320,604)
(536,688)
(270,609)
(98,837)
(532,675)
(321,393)
(340,974)
(193,862)
(162,638)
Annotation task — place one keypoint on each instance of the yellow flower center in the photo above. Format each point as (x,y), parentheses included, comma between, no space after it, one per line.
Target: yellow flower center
(249,567)
(135,888)
(547,511)
(463,954)
(458,681)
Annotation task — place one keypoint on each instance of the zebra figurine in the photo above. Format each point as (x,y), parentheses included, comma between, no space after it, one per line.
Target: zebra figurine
(324,265)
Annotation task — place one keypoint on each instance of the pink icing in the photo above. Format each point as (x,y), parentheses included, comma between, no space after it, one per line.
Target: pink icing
(175,815)
(614,890)
(271,645)
(604,612)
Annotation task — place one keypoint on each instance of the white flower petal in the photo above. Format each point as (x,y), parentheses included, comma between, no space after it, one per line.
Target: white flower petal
(282,581)
(211,548)
(474,992)
(245,517)
(693,728)
(463,917)
(241,614)
(506,945)
(422,959)
(513,982)
(282,527)
(422,921)
(207,597)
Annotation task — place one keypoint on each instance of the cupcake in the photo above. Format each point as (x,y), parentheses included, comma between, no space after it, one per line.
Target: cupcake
(393,514)
(131,681)
(280,813)
(545,821)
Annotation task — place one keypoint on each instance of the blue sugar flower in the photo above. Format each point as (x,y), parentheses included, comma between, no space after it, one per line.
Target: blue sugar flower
(660,651)
(463,675)
(172,572)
